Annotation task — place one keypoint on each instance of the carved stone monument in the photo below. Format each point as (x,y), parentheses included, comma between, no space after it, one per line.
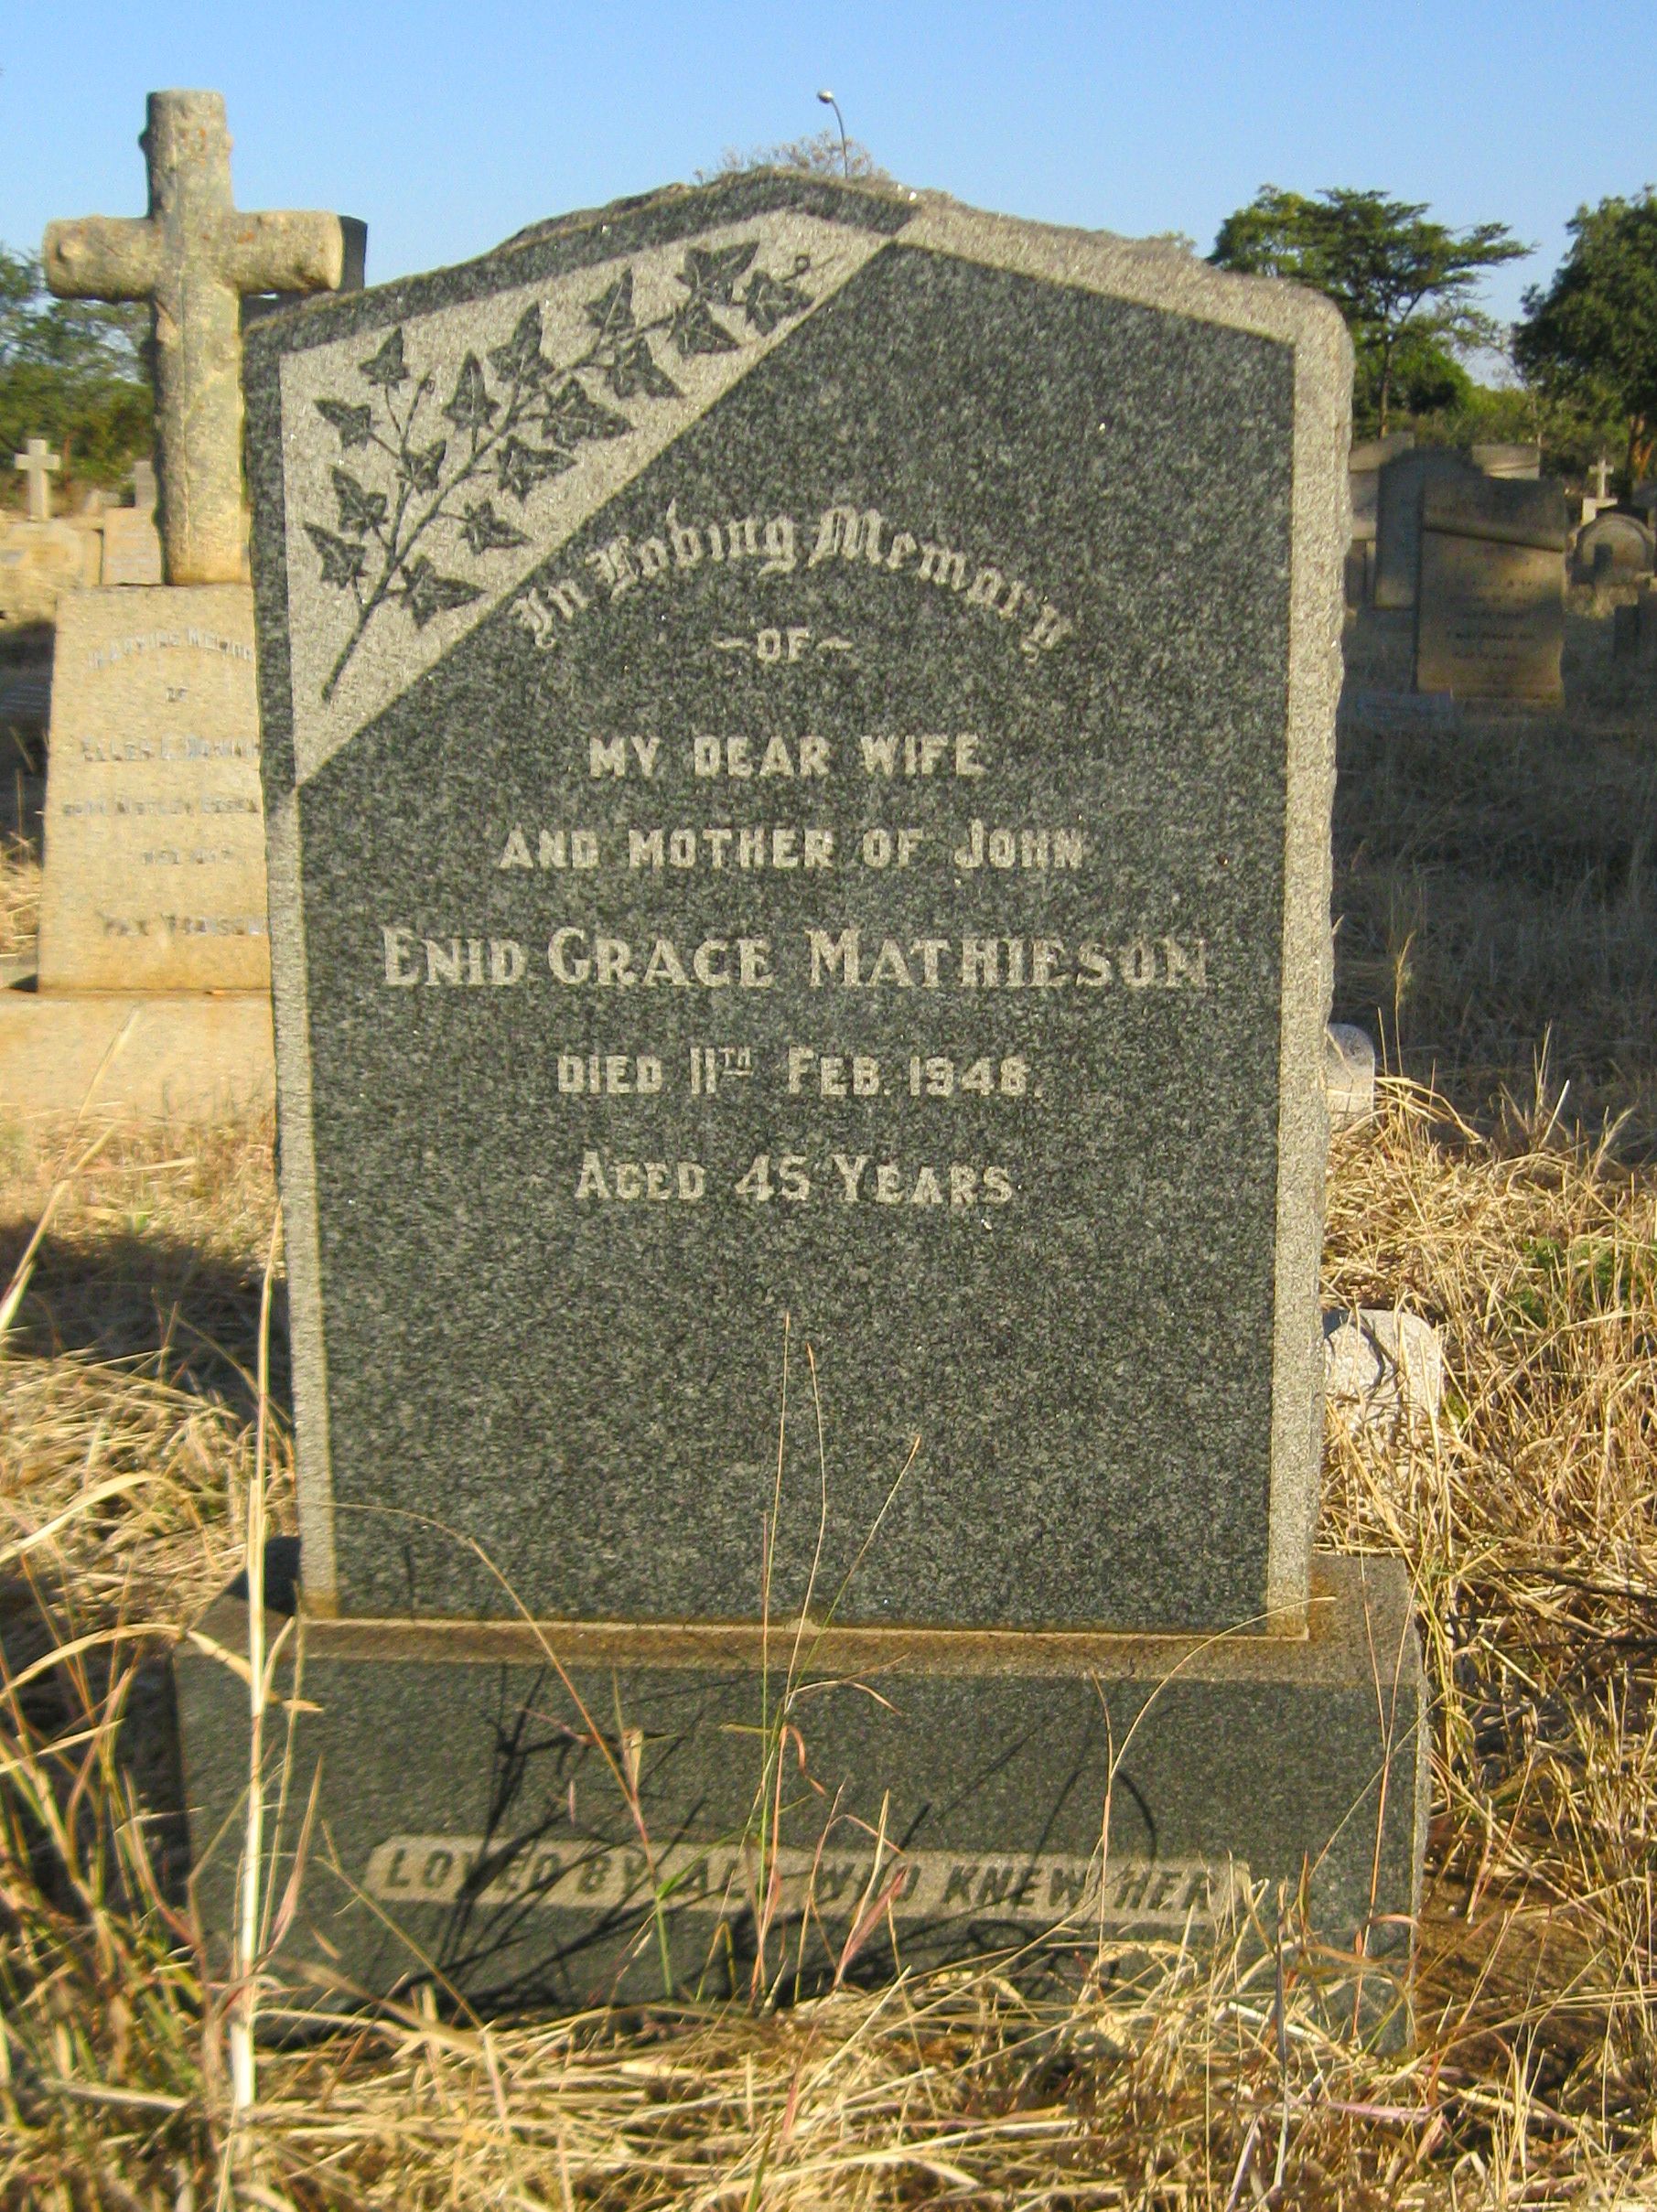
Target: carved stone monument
(154,965)
(1490,613)
(771,848)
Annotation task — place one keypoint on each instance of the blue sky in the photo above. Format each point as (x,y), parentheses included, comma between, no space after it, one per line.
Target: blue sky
(447,127)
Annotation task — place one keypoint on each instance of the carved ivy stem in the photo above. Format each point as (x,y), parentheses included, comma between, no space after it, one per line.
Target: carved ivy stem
(395,547)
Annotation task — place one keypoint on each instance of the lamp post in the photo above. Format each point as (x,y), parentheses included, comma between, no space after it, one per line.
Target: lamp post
(829,101)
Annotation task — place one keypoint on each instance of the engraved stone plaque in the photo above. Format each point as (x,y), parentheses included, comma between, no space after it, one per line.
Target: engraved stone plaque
(154,844)
(798,749)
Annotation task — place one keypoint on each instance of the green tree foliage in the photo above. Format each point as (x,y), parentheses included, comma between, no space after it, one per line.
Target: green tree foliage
(71,371)
(1589,341)
(1404,285)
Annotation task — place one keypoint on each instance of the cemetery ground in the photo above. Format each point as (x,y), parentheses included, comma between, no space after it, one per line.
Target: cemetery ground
(1496,886)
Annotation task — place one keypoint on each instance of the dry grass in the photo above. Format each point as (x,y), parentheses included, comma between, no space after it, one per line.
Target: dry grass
(1526,1513)
(19,896)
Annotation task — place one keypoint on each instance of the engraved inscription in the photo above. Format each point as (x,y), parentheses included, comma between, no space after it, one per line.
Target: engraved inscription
(1034,1889)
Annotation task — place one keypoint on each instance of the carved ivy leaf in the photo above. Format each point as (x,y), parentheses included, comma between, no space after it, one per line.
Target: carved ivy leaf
(472,408)
(355,424)
(572,414)
(420,467)
(486,531)
(426,593)
(520,468)
(710,274)
(388,369)
(769,300)
(634,370)
(518,361)
(696,330)
(342,563)
(361,510)
(612,314)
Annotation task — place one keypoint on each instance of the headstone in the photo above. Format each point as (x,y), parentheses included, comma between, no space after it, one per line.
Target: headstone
(1614,549)
(770,853)
(155,841)
(38,464)
(1596,501)
(39,564)
(153,963)
(1364,464)
(1517,462)
(1489,614)
(132,544)
(1398,517)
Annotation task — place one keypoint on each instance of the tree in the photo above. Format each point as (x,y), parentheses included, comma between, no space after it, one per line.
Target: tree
(1590,339)
(72,372)
(1404,285)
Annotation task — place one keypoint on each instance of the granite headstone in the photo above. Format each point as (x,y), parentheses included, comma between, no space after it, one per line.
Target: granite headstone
(1490,615)
(777,838)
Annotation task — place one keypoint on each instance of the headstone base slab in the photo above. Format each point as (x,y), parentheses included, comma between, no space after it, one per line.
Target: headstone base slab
(186,1058)
(470,1829)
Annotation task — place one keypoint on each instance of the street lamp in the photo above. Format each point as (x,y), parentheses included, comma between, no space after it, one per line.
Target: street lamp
(829,101)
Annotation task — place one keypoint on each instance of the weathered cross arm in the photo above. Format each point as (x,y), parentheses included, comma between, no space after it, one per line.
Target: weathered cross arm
(102,257)
(274,253)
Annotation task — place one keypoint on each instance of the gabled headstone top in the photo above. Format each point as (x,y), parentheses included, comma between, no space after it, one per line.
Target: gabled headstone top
(1510,510)
(798,746)
(192,258)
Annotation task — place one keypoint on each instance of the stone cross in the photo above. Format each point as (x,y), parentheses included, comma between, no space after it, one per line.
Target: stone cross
(36,463)
(1602,471)
(192,259)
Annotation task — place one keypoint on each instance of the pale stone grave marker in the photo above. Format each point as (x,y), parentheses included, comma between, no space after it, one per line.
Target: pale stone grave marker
(1490,615)
(154,965)
(36,463)
(769,849)
(132,544)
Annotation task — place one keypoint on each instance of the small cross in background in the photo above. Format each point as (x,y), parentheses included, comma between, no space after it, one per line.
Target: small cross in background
(37,463)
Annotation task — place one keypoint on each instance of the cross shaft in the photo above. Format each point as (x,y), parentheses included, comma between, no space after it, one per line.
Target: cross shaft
(192,258)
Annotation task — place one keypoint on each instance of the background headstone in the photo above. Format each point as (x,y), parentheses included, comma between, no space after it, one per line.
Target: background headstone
(36,463)
(1398,517)
(1363,476)
(154,965)
(1520,462)
(155,840)
(132,543)
(1490,613)
(1613,549)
